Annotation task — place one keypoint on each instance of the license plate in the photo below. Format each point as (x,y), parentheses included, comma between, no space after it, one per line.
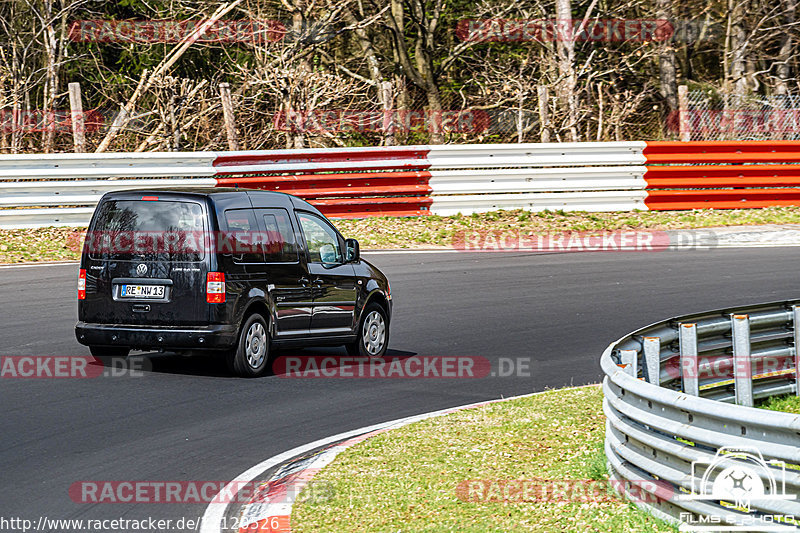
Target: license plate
(142,291)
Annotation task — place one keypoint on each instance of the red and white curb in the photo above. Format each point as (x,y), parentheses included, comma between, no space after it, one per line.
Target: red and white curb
(269,510)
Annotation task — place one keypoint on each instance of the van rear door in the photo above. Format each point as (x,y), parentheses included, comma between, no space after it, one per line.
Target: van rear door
(146,260)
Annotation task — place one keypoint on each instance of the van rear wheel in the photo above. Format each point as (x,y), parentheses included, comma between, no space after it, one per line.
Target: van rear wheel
(109,351)
(251,355)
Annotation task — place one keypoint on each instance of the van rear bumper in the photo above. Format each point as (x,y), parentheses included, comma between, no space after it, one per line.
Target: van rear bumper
(148,338)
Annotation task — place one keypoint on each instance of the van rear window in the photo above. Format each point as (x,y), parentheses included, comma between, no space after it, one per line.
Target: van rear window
(135,229)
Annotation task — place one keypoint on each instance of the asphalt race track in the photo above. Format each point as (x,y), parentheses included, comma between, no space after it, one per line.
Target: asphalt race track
(186,419)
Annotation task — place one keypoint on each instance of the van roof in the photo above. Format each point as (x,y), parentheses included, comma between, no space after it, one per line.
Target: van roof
(196,191)
(278,198)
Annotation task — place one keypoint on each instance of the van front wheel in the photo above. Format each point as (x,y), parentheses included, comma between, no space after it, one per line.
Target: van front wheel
(373,333)
(250,357)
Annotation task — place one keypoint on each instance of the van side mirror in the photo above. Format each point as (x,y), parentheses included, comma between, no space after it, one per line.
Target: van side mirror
(352,250)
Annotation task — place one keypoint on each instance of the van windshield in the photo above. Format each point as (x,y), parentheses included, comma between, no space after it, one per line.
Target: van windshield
(149,230)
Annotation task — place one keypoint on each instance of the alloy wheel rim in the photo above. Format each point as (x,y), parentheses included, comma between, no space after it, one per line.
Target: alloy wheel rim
(373,333)
(256,345)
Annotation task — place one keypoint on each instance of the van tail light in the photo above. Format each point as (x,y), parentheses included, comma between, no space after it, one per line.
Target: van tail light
(82,284)
(215,287)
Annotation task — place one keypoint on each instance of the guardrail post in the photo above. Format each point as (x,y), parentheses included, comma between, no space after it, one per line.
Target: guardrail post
(652,359)
(796,311)
(629,359)
(742,363)
(687,335)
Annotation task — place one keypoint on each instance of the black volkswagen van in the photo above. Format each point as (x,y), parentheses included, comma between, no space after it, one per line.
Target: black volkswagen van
(233,271)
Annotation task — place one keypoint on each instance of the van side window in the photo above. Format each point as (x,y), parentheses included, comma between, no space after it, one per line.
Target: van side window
(322,240)
(241,227)
(278,243)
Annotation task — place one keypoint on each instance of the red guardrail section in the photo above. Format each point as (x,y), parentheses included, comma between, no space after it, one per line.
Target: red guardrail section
(341,183)
(722,174)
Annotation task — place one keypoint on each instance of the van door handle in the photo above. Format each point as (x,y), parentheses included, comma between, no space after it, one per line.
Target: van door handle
(303,281)
(318,282)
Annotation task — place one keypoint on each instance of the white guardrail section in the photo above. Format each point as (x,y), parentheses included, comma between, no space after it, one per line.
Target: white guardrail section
(34,184)
(62,189)
(606,176)
(683,442)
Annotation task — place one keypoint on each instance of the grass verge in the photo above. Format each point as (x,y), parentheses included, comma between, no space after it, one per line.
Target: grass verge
(407,479)
(53,244)
(787,403)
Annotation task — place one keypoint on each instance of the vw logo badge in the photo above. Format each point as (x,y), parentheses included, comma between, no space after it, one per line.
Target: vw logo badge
(141,270)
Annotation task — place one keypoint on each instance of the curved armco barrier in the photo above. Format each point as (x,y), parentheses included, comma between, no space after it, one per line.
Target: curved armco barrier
(60,189)
(670,390)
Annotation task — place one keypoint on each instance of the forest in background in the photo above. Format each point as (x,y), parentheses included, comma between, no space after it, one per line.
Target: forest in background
(307,73)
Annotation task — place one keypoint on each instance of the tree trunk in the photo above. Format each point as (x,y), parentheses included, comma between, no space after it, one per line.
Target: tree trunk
(16,104)
(566,66)
(51,85)
(435,112)
(782,69)
(383,88)
(667,62)
(420,71)
(735,49)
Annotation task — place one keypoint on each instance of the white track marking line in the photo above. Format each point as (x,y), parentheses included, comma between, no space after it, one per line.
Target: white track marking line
(31,265)
(401,251)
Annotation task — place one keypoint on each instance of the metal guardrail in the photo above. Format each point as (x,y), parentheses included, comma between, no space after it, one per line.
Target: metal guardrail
(60,189)
(56,189)
(722,174)
(671,393)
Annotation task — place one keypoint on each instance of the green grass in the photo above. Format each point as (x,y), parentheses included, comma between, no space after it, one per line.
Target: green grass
(45,244)
(406,479)
(787,403)
(53,244)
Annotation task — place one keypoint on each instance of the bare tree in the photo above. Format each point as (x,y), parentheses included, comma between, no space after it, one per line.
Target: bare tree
(667,61)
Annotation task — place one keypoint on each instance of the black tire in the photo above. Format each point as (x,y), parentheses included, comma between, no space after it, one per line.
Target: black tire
(250,358)
(109,351)
(373,333)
